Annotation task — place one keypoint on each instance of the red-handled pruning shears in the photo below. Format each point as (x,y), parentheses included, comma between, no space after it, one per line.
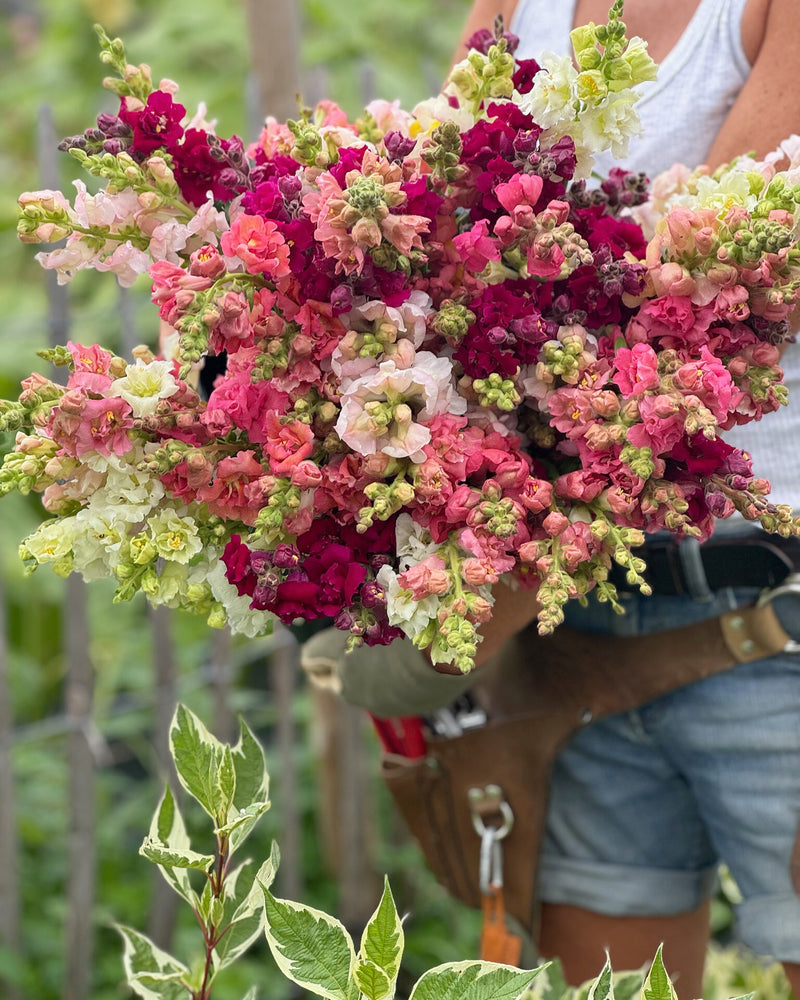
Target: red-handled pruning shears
(403,736)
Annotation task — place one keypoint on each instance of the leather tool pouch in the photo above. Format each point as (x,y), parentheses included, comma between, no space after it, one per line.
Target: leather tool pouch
(536,694)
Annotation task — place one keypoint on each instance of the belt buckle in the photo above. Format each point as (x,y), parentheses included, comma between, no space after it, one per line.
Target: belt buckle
(790,585)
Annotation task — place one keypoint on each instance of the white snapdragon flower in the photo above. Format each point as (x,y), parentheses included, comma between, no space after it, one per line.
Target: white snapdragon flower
(144,385)
(242,619)
(381,408)
(129,493)
(565,102)
(553,92)
(96,542)
(402,610)
(175,535)
(610,124)
(431,113)
(413,541)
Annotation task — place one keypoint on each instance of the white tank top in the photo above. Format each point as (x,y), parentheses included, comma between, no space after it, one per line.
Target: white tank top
(681,113)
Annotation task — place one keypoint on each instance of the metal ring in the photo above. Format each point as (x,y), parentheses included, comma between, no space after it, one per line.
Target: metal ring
(499,832)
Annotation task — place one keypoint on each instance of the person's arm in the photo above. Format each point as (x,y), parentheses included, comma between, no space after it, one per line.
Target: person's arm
(767,109)
(482,15)
(513,610)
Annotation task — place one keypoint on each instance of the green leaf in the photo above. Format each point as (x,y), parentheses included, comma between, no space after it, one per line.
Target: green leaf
(251,798)
(167,830)
(151,973)
(244,911)
(311,948)
(628,984)
(196,754)
(472,981)
(603,987)
(252,780)
(247,815)
(250,995)
(550,983)
(382,941)
(162,855)
(658,985)
(226,783)
(372,980)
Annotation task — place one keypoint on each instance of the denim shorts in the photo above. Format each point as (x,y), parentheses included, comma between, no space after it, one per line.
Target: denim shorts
(644,805)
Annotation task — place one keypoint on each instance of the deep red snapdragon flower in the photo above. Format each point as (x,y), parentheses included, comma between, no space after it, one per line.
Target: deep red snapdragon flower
(155,126)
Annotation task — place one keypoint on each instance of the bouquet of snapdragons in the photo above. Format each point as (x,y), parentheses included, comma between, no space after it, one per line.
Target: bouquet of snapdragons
(452,362)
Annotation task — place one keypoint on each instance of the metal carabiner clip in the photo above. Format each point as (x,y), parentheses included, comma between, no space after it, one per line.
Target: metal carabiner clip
(791,585)
(483,800)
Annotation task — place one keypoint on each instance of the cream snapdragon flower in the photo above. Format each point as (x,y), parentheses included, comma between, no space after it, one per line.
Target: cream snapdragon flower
(174,535)
(144,385)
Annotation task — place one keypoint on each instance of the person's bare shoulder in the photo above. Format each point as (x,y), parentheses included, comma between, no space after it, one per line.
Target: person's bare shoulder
(768,108)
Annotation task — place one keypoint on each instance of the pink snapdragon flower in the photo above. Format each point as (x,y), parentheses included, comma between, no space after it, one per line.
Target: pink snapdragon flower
(90,368)
(426,578)
(259,244)
(637,369)
(230,493)
(287,444)
(83,424)
(476,248)
(352,220)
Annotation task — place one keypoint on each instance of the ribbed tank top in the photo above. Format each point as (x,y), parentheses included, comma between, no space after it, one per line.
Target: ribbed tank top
(681,113)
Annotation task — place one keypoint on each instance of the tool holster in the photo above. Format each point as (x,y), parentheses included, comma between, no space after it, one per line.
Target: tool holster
(536,694)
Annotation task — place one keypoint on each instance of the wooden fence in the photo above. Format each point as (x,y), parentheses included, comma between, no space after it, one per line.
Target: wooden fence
(346,806)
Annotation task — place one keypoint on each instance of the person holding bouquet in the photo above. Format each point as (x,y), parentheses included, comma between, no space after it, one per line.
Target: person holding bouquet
(644,805)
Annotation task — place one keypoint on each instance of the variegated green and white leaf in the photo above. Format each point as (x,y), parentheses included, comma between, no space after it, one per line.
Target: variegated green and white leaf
(628,984)
(167,829)
(238,817)
(226,783)
(311,948)
(603,987)
(151,973)
(549,983)
(657,984)
(472,981)
(197,754)
(382,941)
(252,780)
(244,910)
(372,981)
(161,855)
(251,799)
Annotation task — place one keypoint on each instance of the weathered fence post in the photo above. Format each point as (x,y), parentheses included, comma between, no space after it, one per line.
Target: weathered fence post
(78,698)
(224,724)
(10,929)
(78,685)
(164,901)
(283,670)
(274,29)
